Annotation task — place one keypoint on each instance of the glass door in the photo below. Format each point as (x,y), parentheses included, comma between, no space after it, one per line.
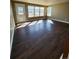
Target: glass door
(20,12)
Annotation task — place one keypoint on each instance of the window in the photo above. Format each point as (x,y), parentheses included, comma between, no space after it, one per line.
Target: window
(49,11)
(30,11)
(41,11)
(37,11)
(20,10)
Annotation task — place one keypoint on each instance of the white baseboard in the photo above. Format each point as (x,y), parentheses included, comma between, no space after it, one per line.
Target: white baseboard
(61,21)
(11,35)
(61,57)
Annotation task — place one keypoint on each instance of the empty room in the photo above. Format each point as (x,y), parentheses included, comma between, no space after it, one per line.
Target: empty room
(39,29)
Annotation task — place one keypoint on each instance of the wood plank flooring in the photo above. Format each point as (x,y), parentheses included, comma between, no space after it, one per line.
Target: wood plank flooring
(43,39)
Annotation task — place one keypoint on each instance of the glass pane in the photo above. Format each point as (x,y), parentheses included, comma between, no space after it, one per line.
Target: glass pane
(20,10)
(36,11)
(41,11)
(49,11)
(30,11)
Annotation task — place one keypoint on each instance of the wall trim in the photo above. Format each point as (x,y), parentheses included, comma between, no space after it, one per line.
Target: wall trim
(11,42)
(60,21)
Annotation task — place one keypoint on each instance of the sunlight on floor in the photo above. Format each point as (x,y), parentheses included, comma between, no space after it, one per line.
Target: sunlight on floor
(34,22)
(23,25)
(40,21)
(50,21)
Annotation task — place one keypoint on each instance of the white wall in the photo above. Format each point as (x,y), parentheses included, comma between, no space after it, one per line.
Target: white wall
(60,12)
(12,26)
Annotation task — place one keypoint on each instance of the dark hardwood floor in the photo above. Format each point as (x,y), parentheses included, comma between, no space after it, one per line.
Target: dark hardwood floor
(41,39)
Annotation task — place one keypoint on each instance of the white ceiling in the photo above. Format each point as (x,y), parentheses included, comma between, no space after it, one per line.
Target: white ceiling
(44,2)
